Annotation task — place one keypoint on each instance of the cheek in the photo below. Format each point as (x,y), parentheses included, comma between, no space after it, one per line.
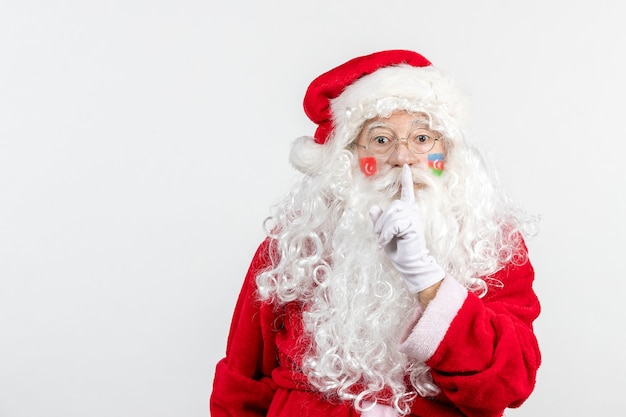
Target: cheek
(435,163)
(368,165)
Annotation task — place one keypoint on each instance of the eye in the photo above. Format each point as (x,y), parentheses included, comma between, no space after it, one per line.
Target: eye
(422,138)
(380,140)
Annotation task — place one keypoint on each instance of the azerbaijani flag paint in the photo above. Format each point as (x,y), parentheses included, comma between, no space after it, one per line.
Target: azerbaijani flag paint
(368,165)
(435,163)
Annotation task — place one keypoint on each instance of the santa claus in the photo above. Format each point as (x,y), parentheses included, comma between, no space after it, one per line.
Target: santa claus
(395,278)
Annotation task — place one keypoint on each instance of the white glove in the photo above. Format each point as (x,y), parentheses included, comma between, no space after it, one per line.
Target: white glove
(401,233)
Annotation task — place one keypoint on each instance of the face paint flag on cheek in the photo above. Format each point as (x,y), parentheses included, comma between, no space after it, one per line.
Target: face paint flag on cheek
(368,165)
(435,163)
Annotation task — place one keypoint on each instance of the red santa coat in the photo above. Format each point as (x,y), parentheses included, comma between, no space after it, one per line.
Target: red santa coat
(482,352)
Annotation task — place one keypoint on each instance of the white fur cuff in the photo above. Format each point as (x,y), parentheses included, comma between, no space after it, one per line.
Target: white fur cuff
(434,323)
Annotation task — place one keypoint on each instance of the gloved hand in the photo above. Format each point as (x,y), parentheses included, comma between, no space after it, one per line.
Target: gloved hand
(401,233)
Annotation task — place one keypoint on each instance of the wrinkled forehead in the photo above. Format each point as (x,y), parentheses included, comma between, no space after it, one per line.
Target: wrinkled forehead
(400,119)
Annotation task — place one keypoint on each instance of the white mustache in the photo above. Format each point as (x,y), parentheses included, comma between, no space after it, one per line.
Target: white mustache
(389,182)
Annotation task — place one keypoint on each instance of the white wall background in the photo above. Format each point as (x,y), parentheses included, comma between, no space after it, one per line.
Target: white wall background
(142,143)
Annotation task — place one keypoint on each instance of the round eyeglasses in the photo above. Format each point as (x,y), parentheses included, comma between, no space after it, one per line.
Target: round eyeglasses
(383,144)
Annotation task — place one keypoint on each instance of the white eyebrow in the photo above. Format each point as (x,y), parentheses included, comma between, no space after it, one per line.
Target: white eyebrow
(377,125)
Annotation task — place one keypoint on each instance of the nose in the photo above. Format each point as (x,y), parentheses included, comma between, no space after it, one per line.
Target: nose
(403,155)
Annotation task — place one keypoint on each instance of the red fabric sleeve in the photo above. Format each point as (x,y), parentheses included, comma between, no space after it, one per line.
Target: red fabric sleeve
(242,386)
(489,356)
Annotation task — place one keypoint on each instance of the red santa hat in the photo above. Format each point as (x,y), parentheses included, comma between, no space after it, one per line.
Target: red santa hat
(376,84)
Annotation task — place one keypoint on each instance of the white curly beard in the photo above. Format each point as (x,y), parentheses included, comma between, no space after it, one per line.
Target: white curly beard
(359,310)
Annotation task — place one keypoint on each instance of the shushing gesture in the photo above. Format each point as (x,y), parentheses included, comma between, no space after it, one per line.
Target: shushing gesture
(400,232)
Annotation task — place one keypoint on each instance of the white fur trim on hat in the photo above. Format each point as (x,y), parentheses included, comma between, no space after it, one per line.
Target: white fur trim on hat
(401,87)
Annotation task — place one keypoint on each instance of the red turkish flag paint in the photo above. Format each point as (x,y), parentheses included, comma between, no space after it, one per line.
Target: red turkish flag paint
(368,165)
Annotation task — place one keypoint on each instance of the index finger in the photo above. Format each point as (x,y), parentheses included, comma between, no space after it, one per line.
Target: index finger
(407,193)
